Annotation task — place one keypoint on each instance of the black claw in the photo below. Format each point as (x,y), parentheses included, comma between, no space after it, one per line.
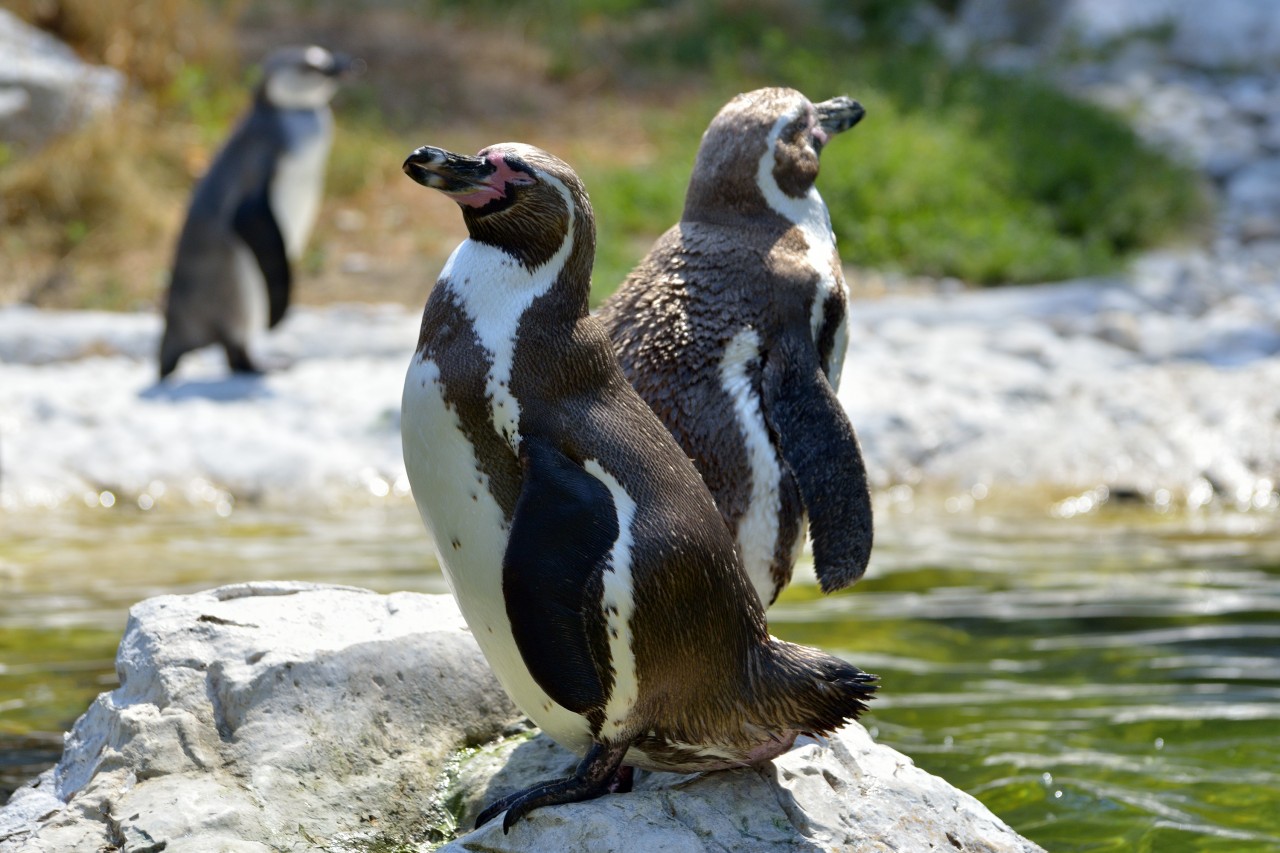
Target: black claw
(596,775)
(623,780)
(489,814)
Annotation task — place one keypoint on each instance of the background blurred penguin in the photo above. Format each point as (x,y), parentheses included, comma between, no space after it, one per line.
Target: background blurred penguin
(252,213)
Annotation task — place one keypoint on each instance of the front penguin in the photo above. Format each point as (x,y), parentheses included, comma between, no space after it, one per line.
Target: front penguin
(585,553)
(733,329)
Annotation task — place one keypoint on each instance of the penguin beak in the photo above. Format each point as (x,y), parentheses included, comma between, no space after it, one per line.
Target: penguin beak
(838,115)
(345,66)
(468,180)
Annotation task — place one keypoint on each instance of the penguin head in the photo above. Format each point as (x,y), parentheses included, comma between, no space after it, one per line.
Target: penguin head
(770,135)
(303,77)
(513,196)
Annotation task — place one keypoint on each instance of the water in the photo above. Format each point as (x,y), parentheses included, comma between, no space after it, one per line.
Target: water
(1102,683)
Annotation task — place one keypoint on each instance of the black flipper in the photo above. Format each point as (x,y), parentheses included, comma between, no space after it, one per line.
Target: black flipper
(818,444)
(563,528)
(256,225)
(594,776)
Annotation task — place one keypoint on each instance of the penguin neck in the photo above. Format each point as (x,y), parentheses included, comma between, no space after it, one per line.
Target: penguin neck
(716,200)
(808,211)
(496,289)
(526,259)
(293,92)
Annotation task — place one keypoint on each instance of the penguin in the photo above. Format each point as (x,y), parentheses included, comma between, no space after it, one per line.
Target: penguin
(584,550)
(251,214)
(733,329)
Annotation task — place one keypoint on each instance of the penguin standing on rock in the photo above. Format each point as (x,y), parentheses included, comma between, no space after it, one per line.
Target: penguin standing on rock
(733,330)
(585,552)
(252,213)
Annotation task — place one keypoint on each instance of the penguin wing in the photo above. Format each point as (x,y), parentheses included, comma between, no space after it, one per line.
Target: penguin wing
(563,529)
(256,225)
(818,444)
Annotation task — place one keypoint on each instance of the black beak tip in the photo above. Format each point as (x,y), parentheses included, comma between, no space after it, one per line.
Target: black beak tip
(415,165)
(344,65)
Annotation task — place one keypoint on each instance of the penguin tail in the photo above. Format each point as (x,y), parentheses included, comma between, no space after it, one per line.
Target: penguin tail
(811,691)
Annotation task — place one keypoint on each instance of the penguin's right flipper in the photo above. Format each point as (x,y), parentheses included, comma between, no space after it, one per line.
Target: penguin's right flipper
(552,575)
(819,446)
(256,225)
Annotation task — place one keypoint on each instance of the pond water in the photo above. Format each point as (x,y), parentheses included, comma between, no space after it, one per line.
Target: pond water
(1108,682)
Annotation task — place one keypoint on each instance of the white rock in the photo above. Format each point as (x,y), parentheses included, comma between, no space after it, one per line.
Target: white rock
(1253,199)
(45,88)
(275,716)
(253,716)
(942,388)
(1161,383)
(842,793)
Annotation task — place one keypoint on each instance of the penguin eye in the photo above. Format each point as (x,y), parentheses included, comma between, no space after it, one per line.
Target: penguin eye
(800,130)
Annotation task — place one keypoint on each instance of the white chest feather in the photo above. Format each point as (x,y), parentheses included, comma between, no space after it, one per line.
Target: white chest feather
(470,533)
(251,293)
(618,605)
(810,215)
(758,527)
(298,184)
(495,290)
(449,485)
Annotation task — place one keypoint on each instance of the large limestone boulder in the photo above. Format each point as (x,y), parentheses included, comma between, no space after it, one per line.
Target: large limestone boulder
(45,89)
(284,716)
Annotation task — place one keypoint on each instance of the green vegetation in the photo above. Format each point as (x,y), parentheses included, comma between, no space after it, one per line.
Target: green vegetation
(956,171)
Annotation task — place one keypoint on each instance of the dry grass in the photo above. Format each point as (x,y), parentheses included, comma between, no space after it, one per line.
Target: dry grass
(148,40)
(93,217)
(89,197)
(90,217)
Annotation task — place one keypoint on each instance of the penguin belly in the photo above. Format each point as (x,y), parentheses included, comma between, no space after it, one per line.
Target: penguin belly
(470,532)
(251,311)
(298,183)
(758,528)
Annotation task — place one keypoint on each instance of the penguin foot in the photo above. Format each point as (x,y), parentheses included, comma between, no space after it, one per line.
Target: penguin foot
(239,361)
(596,775)
(622,780)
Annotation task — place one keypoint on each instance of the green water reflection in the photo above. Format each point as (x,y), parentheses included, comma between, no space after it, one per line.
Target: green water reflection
(1110,683)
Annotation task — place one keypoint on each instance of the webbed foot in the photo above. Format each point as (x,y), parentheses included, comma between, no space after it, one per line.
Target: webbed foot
(596,775)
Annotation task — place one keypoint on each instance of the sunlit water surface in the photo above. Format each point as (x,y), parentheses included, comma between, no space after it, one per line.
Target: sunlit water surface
(1103,683)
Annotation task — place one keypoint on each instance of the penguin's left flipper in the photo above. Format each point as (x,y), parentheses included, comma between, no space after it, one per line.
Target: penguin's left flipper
(818,444)
(256,225)
(552,575)
(592,779)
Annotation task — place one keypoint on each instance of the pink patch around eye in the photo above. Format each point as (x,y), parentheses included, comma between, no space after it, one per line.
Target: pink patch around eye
(496,184)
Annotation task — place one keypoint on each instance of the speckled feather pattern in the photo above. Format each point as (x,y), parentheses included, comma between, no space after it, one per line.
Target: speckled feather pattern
(735,262)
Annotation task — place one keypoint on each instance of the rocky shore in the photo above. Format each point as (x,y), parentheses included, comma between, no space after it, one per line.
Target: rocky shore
(279,716)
